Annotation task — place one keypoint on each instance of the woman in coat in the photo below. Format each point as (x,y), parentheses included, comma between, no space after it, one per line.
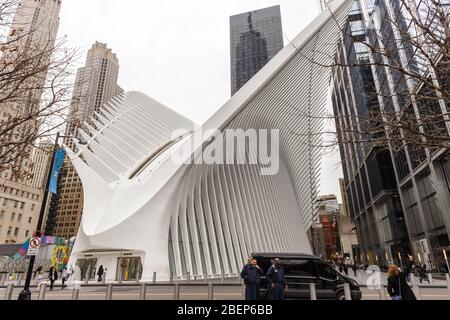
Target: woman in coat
(100,273)
(52,276)
(398,287)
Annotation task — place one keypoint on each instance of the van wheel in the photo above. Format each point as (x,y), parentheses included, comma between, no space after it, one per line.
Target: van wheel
(340,296)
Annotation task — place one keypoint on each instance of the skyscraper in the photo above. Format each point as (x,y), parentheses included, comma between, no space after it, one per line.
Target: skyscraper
(398,197)
(95,85)
(256,37)
(33,29)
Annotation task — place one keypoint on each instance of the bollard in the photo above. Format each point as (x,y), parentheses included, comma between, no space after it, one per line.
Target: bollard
(243,292)
(19,279)
(171,278)
(176,291)
(222,278)
(143,294)
(86,278)
(416,288)
(382,293)
(447,276)
(42,291)
(137,278)
(189,278)
(210,292)
(109,291)
(9,292)
(312,290)
(347,291)
(75,293)
(4,276)
(104,278)
(205,278)
(154,277)
(430,278)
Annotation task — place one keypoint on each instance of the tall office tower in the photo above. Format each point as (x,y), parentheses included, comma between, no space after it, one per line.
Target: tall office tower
(33,30)
(256,37)
(398,197)
(95,85)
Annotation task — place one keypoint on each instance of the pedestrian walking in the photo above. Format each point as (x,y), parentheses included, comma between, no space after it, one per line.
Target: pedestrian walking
(277,281)
(355,269)
(341,267)
(346,269)
(64,278)
(100,273)
(250,276)
(409,267)
(52,276)
(398,287)
(39,276)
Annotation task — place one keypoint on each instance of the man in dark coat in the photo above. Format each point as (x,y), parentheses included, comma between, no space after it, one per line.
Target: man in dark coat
(52,276)
(277,281)
(259,274)
(251,276)
(100,273)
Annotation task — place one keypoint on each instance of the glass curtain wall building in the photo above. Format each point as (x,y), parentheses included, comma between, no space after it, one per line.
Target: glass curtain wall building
(256,37)
(397,197)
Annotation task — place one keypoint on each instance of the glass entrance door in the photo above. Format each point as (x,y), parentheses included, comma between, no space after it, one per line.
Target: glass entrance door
(129,268)
(87,265)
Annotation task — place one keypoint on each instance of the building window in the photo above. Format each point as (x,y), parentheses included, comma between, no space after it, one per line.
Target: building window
(19,218)
(9,231)
(13,216)
(29,220)
(16,232)
(27,233)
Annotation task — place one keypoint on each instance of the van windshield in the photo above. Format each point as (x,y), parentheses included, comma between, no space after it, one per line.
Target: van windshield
(326,272)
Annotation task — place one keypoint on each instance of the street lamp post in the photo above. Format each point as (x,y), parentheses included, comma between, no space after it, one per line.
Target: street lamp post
(26,293)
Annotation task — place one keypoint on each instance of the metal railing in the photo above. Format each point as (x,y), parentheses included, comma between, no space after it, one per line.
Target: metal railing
(211,289)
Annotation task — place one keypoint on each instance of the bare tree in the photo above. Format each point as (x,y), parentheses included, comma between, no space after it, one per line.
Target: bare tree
(399,63)
(36,73)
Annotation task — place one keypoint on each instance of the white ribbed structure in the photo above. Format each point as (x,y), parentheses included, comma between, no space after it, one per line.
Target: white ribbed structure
(206,219)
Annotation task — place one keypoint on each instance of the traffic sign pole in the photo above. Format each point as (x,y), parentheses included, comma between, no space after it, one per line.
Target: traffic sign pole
(26,293)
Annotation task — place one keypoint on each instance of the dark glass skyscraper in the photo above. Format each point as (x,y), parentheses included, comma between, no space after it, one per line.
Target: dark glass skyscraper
(398,197)
(256,37)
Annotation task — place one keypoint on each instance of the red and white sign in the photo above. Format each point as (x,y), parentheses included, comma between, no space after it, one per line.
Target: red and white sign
(33,248)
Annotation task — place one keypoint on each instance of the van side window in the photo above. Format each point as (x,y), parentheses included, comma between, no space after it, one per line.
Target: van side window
(326,272)
(299,268)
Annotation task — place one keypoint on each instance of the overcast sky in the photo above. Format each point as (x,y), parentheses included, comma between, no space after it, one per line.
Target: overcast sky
(178,51)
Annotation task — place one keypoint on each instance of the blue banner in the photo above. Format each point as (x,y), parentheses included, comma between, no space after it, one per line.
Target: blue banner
(57,165)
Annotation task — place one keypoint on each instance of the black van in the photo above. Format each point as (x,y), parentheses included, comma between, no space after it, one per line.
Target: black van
(301,270)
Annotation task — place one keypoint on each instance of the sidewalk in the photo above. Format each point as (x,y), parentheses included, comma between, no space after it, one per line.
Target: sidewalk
(365,278)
